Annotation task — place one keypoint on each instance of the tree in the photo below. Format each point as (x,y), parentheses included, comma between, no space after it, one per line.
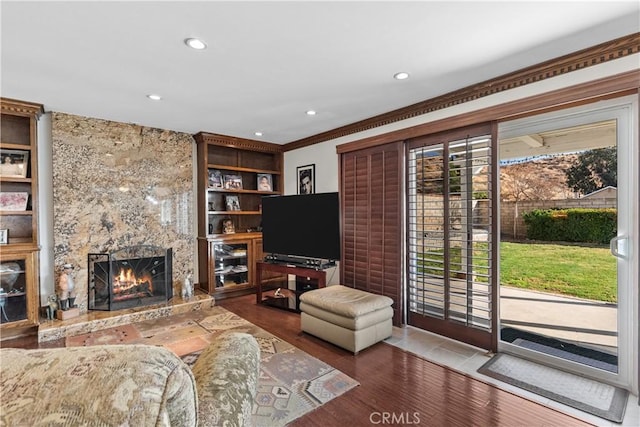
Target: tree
(524,181)
(593,170)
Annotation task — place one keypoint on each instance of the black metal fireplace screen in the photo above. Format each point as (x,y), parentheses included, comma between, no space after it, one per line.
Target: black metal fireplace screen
(130,277)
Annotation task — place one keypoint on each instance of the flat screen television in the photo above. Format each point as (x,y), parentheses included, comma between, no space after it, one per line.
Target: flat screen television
(302,225)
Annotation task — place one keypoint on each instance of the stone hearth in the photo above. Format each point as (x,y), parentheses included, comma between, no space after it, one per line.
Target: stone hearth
(97,320)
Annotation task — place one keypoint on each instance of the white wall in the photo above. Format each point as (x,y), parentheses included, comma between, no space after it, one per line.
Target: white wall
(326,160)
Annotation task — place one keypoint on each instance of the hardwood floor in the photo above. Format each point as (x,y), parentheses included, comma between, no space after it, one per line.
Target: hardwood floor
(396,387)
(399,385)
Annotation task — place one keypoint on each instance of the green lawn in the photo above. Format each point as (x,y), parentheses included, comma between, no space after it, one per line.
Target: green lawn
(584,272)
(579,271)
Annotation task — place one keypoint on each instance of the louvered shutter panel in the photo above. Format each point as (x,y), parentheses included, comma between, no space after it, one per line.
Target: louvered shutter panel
(371,189)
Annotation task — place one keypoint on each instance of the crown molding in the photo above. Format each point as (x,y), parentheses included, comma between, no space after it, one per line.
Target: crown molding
(21,108)
(235,142)
(604,52)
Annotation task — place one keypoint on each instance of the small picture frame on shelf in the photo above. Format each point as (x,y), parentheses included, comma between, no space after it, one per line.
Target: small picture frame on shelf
(306,179)
(265,182)
(13,201)
(4,236)
(227,226)
(14,163)
(215,179)
(232,182)
(232,202)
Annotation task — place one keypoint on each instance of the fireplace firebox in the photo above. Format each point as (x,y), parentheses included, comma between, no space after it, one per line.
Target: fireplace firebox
(131,277)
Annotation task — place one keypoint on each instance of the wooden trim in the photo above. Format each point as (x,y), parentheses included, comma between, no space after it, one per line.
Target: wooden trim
(449,135)
(605,88)
(239,143)
(449,329)
(604,52)
(21,108)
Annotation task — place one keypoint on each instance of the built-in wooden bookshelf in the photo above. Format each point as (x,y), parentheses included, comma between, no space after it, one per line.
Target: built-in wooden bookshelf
(19,249)
(233,174)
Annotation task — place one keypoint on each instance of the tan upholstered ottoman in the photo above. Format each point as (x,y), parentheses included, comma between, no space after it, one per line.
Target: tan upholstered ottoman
(347,317)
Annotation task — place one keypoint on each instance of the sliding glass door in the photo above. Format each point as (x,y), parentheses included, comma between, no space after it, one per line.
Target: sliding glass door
(568,272)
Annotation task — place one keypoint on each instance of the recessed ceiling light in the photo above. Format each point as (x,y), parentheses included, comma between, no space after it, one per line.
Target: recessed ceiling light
(196,44)
(258,134)
(311,113)
(154,97)
(401,76)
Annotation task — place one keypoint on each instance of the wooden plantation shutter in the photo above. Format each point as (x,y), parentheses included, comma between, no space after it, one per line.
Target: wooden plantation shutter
(452,234)
(371,210)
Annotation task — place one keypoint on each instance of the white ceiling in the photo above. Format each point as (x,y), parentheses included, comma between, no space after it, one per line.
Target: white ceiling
(268,62)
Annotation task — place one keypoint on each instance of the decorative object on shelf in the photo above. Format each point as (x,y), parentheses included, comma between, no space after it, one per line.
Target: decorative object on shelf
(210,228)
(265,182)
(233,203)
(52,306)
(306,179)
(187,287)
(233,182)
(4,236)
(9,273)
(211,206)
(66,288)
(13,201)
(3,302)
(14,163)
(227,226)
(215,179)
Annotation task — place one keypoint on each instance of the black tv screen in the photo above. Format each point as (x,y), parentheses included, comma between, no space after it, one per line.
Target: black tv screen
(302,225)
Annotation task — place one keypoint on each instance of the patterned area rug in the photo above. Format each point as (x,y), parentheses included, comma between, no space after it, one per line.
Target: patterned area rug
(291,381)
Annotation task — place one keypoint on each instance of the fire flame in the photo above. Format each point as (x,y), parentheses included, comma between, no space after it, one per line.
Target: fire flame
(127,280)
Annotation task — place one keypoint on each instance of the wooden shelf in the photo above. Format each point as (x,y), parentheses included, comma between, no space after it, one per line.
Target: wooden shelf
(11,146)
(19,132)
(13,179)
(242,169)
(222,190)
(29,212)
(236,235)
(247,159)
(235,212)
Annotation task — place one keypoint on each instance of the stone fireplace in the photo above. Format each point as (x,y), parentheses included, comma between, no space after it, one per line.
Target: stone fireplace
(135,276)
(115,186)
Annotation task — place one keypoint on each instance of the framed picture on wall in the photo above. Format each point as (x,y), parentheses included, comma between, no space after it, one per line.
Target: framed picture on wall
(306,179)
(233,182)
(233,203)
(215,179)
(13,201)
(265,182)
(14,163)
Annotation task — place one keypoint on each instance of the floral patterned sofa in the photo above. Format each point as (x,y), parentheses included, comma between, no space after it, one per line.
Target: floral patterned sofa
(136,385)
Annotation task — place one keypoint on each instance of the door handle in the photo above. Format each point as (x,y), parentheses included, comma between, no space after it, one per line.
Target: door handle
(618,247)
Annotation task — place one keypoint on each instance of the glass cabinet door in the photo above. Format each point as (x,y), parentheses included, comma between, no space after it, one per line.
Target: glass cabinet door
(13,290)
(231,264)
